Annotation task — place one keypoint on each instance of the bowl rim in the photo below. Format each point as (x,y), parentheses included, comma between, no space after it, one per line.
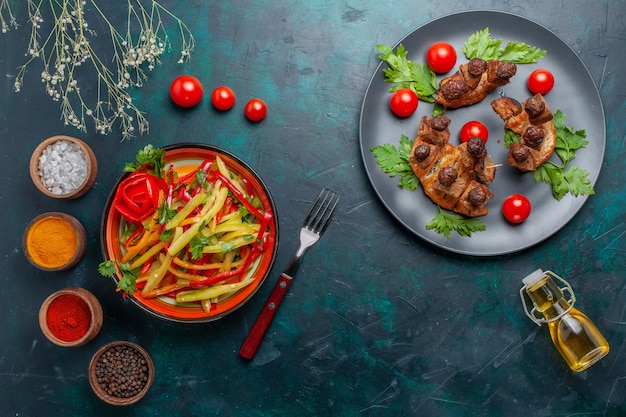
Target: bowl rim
(97,388)
(95,309)
(200,317)
(81,236)
(92,167)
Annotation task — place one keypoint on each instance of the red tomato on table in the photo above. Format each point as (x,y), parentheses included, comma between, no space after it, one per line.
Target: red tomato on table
(186,91)
(255,110)
(223,98)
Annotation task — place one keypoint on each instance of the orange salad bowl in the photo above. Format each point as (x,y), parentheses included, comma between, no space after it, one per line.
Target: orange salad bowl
(185,158)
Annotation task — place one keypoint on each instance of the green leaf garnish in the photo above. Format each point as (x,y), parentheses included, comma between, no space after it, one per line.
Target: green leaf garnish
(198,243)
(150,158)
(107,269)
(404,73)
(445,223)
(227,247)
(574,180)
(165,213)
(395,161)
(128,281)
(166,236)
(510,137)
(480,45)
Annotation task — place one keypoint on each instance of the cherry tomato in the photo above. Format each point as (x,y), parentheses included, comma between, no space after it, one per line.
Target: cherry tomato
(403,102)
(255,110)
(186,91)
(516,208)
(441,57)
(474,128)
(223,98)
(540,81)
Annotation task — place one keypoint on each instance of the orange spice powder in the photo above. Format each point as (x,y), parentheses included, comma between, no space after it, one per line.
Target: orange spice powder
(51,242)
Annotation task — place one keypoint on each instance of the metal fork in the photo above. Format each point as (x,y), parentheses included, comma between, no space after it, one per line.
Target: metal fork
(314,225)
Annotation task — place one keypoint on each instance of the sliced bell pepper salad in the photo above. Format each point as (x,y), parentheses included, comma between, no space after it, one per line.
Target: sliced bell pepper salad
(190,237)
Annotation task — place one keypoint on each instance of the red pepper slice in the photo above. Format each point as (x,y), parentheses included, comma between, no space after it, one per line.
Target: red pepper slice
(264,217)
(240,196)
(133,236)
(249,189)
(226,209)
(227,274)
(146,266)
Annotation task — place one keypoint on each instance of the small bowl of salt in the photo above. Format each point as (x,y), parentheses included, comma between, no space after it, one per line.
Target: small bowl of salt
(63,167)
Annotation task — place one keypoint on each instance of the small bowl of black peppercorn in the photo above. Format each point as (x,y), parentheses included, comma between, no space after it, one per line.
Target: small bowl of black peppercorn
(121,373)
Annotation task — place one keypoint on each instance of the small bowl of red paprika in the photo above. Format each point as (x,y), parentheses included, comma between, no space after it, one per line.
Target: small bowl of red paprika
(70,317)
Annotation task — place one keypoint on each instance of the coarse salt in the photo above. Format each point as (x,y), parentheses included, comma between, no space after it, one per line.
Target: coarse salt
(62,167)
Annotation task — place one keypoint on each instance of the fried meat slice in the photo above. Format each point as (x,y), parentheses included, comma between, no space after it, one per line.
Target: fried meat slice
(447,172)
(532,120)
(473,82)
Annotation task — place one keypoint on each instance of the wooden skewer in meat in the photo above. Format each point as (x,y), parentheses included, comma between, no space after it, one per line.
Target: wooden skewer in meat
(532,120)
(473,82)
(454,177)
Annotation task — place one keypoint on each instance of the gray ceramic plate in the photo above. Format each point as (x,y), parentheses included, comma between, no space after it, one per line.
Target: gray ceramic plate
(574,93)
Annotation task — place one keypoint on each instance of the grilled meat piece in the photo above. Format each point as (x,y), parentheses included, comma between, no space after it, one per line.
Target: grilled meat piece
(447,172)
(532,120)
(473,82)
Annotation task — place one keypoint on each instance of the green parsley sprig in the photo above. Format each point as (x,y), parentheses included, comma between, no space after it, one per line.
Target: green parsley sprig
(128,281)
(444,223)
(148,157)
(404,73)
(395,161)
(480,45)
(561,177)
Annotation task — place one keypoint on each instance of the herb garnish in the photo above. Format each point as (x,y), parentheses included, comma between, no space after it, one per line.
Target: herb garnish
(574,180)
(408,74)
(395,161)
(445,222)
(480,45)
(128,281)
(199,242)
(151,157)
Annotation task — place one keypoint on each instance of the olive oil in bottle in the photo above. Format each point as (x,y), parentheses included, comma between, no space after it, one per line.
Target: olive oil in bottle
(575,336)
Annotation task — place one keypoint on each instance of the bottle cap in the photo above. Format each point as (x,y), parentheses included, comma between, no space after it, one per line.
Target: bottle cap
(533,277)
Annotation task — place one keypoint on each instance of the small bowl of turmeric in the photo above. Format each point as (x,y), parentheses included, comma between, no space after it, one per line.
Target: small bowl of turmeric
(54,241)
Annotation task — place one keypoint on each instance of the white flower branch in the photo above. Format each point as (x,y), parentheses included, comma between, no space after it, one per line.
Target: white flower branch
(67,48)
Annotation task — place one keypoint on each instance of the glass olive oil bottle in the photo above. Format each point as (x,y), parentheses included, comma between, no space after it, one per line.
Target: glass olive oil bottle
(575,336)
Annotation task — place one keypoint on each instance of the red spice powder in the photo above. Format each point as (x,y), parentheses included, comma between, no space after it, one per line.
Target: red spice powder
(68,317)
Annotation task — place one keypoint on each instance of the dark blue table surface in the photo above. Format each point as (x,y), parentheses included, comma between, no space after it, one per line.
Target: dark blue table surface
(377,322)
